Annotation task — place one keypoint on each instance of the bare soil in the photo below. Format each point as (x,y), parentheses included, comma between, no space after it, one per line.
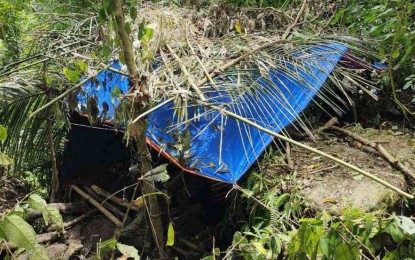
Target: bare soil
(330,187)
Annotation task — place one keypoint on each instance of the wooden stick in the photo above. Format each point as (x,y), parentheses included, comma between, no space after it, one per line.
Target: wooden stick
(288,156)
(97,205)
(80,218)
(113,198)
(106,204)
(379,148)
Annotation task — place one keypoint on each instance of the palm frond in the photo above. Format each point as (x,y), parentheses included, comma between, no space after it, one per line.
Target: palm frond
(27,142)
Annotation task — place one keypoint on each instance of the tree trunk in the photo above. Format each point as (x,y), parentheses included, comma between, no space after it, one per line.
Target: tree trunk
(139,128)
(55,180)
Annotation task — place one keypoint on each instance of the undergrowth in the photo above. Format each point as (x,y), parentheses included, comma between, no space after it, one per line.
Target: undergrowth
(277,223)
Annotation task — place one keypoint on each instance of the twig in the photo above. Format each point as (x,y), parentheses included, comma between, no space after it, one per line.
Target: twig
(268,8)
(324,169)
(152,109)
(97,205)
(80,218)
(358,241)
(199,61)
(297,18)
(379,148)
(52,154)
(290,163)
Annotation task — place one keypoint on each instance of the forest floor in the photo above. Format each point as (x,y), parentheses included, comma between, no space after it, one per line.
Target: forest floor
(323,184)
(328,186)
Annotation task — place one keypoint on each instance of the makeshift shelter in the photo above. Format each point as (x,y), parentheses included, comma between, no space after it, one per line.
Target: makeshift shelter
(212,145)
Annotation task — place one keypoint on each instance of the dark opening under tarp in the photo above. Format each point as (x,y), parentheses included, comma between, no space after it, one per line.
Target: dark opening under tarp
(222,148)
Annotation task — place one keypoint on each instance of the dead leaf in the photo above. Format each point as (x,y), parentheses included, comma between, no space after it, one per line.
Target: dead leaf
(330,200)
(313,166)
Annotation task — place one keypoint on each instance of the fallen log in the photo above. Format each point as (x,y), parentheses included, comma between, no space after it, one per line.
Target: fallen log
(64,208)
(41,238)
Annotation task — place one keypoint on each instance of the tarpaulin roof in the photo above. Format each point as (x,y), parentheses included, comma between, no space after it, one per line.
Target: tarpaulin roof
(222,148)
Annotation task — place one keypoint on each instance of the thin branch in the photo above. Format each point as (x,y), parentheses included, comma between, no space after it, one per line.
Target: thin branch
(80,218)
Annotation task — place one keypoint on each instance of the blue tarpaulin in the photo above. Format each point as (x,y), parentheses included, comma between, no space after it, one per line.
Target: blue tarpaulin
(214,145)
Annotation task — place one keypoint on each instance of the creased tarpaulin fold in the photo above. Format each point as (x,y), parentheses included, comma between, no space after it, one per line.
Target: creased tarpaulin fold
(222,148)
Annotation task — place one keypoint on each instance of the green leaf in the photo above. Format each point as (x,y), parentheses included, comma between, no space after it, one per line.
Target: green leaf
(102,15)
(3,133)
(281,199)
(116,93)
(260,248)
(396,54)
(408,85)
(49,80)
(157,174)
(128,251)
(2,234)
(170,235)
(392,255)
(133,13)
(325,246)
(5,160)
(106,51)
(107,246)
(368,225)
(128,28)
(72,75)
(396,233)
(406,224)
(81,65)
(49,214)
(111,7)
(238,26)
(20,233)
(346,252)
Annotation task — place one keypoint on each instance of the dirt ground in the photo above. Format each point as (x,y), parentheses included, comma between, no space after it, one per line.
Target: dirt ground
(331,187)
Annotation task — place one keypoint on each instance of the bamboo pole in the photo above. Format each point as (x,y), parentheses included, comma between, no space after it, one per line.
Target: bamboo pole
(96,204)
